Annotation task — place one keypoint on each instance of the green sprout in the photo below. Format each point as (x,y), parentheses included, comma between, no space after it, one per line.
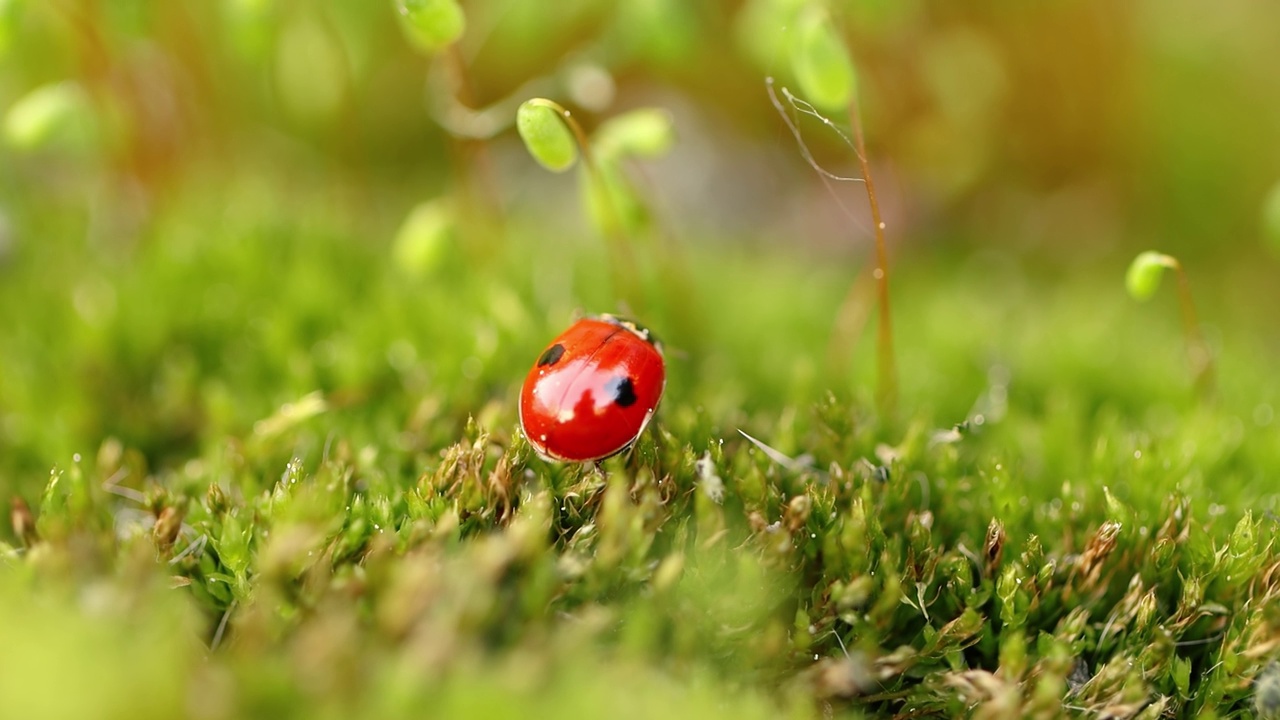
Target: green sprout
(825,72)
(554,138)
(431,25)
(1143,280)
(614,203)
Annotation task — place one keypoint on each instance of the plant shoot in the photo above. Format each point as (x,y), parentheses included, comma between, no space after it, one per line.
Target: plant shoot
(1143,280)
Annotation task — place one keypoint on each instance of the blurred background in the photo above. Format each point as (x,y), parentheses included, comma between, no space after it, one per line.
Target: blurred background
(210,209)
(1064,127)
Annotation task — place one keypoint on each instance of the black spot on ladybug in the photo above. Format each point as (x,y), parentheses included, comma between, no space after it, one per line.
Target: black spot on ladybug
(551,355)
(624,393)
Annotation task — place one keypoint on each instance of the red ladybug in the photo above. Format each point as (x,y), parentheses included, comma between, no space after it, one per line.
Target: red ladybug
(593,390)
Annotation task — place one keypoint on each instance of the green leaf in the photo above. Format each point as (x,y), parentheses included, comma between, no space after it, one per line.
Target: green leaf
(645,132)
(820,61)
(431,25)
(1143,278)
(761,29)
(541,125)
(232,544)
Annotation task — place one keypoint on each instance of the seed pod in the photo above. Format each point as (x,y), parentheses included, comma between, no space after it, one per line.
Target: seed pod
(431,25)
(645,132)
(1143,278)
(820,61)
(541,124)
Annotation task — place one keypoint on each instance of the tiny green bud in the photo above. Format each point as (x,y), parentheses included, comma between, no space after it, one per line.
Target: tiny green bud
(58,112)
(431,25)
(1271,218)
(1143,278)
(250,26)
(646,132)
(424,238)
(542,125)
(820,61)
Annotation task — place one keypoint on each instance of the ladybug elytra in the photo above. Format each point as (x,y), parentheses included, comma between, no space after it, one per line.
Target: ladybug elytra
(593,390)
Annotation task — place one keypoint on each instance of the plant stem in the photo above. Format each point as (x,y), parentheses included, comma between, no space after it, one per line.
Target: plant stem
(1197,349)
(888,376)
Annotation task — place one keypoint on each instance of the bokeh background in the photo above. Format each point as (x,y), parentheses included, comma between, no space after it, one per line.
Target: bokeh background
(202,205)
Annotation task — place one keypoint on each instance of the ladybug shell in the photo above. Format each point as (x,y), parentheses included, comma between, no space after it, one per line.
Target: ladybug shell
(592,391)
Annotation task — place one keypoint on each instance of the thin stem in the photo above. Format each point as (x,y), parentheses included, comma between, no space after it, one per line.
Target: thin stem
(1197,349)
(888,376)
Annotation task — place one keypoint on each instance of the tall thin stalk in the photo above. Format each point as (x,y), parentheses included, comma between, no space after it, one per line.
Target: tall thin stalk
(886,367)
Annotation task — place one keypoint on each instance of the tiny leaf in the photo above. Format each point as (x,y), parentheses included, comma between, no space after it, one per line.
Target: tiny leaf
(542,127)
(424,238)
(820,61)
(1143,278)
(55,113)
(431,25)
(646,132)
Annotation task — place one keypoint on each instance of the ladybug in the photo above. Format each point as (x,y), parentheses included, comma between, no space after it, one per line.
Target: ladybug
(593,390)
